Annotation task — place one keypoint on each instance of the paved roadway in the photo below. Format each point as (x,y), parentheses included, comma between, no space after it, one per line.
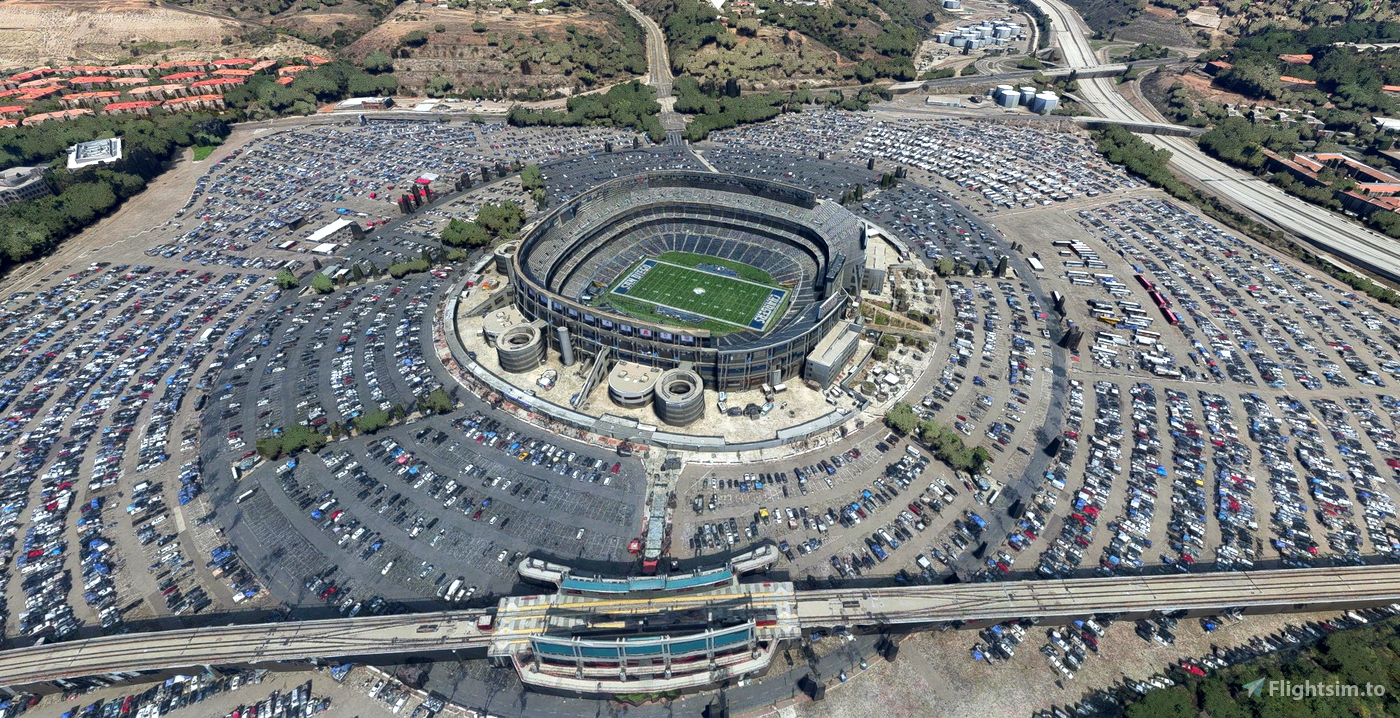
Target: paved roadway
(658,71)
(1263,201)
(1264,591)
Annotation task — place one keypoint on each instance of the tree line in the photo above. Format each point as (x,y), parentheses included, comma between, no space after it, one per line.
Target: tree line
(1353,657)
(80,197)
(945,443)
(631,105)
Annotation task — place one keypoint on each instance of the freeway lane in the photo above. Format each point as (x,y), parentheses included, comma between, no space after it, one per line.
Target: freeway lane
(1263,201)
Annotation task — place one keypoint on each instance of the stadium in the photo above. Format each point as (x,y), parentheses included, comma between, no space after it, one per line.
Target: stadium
(714,279)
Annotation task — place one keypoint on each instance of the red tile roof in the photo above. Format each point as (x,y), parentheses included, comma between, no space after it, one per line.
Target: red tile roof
(137,105)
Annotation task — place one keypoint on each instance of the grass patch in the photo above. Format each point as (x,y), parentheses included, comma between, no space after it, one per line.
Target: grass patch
(203,151)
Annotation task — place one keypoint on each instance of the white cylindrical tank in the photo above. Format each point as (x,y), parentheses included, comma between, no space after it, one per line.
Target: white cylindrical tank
(1027,94)
(1045,103)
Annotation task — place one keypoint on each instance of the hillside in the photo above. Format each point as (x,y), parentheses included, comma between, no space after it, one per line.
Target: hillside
(499,52)
(1138,21)
(774,45)
(60,32)
(1206,23)
(329,23)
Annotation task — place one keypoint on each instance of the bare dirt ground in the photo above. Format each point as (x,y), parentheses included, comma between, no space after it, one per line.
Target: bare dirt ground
(309,18)
(347,699)
(57,32)
(934,675)
(132,226)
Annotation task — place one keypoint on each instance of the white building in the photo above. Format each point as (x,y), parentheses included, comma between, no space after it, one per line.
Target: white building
(96,152)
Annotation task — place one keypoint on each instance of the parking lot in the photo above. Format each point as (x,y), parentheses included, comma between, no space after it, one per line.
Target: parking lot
(119,503)
(1223,409)
(1183,471)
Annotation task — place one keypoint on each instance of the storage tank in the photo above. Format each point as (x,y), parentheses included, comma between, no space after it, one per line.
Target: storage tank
(1003,31)
(943,38)
(1027,94)
(952,4)
(1008,98)
(959,41)
(1045,103)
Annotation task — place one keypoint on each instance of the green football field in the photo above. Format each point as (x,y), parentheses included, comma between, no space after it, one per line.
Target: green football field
(737,304)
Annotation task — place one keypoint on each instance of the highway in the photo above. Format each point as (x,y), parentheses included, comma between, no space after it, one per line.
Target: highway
(1255,197)
(1054,601)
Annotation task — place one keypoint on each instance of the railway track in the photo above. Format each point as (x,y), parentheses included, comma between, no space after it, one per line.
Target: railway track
(1334,588)
(1281,591)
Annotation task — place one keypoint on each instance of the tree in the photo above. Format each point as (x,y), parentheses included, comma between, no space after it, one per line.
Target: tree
(944,266)
(438,402)
(1163,704)
(901,418)
(322,284)
(415,38)
(465,234)
(412,266)
(438,86)
(286,280)
(377,62)
(269,447)
(501,219)
(372,421)
(530,178)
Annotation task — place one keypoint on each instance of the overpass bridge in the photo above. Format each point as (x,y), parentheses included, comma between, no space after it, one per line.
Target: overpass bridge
(572,625)
(1143,127)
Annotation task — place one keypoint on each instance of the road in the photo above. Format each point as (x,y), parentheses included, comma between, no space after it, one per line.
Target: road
(659,72)
(1255,197)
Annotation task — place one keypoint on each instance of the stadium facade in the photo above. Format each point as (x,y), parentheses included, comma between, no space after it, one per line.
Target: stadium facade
(813,250)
